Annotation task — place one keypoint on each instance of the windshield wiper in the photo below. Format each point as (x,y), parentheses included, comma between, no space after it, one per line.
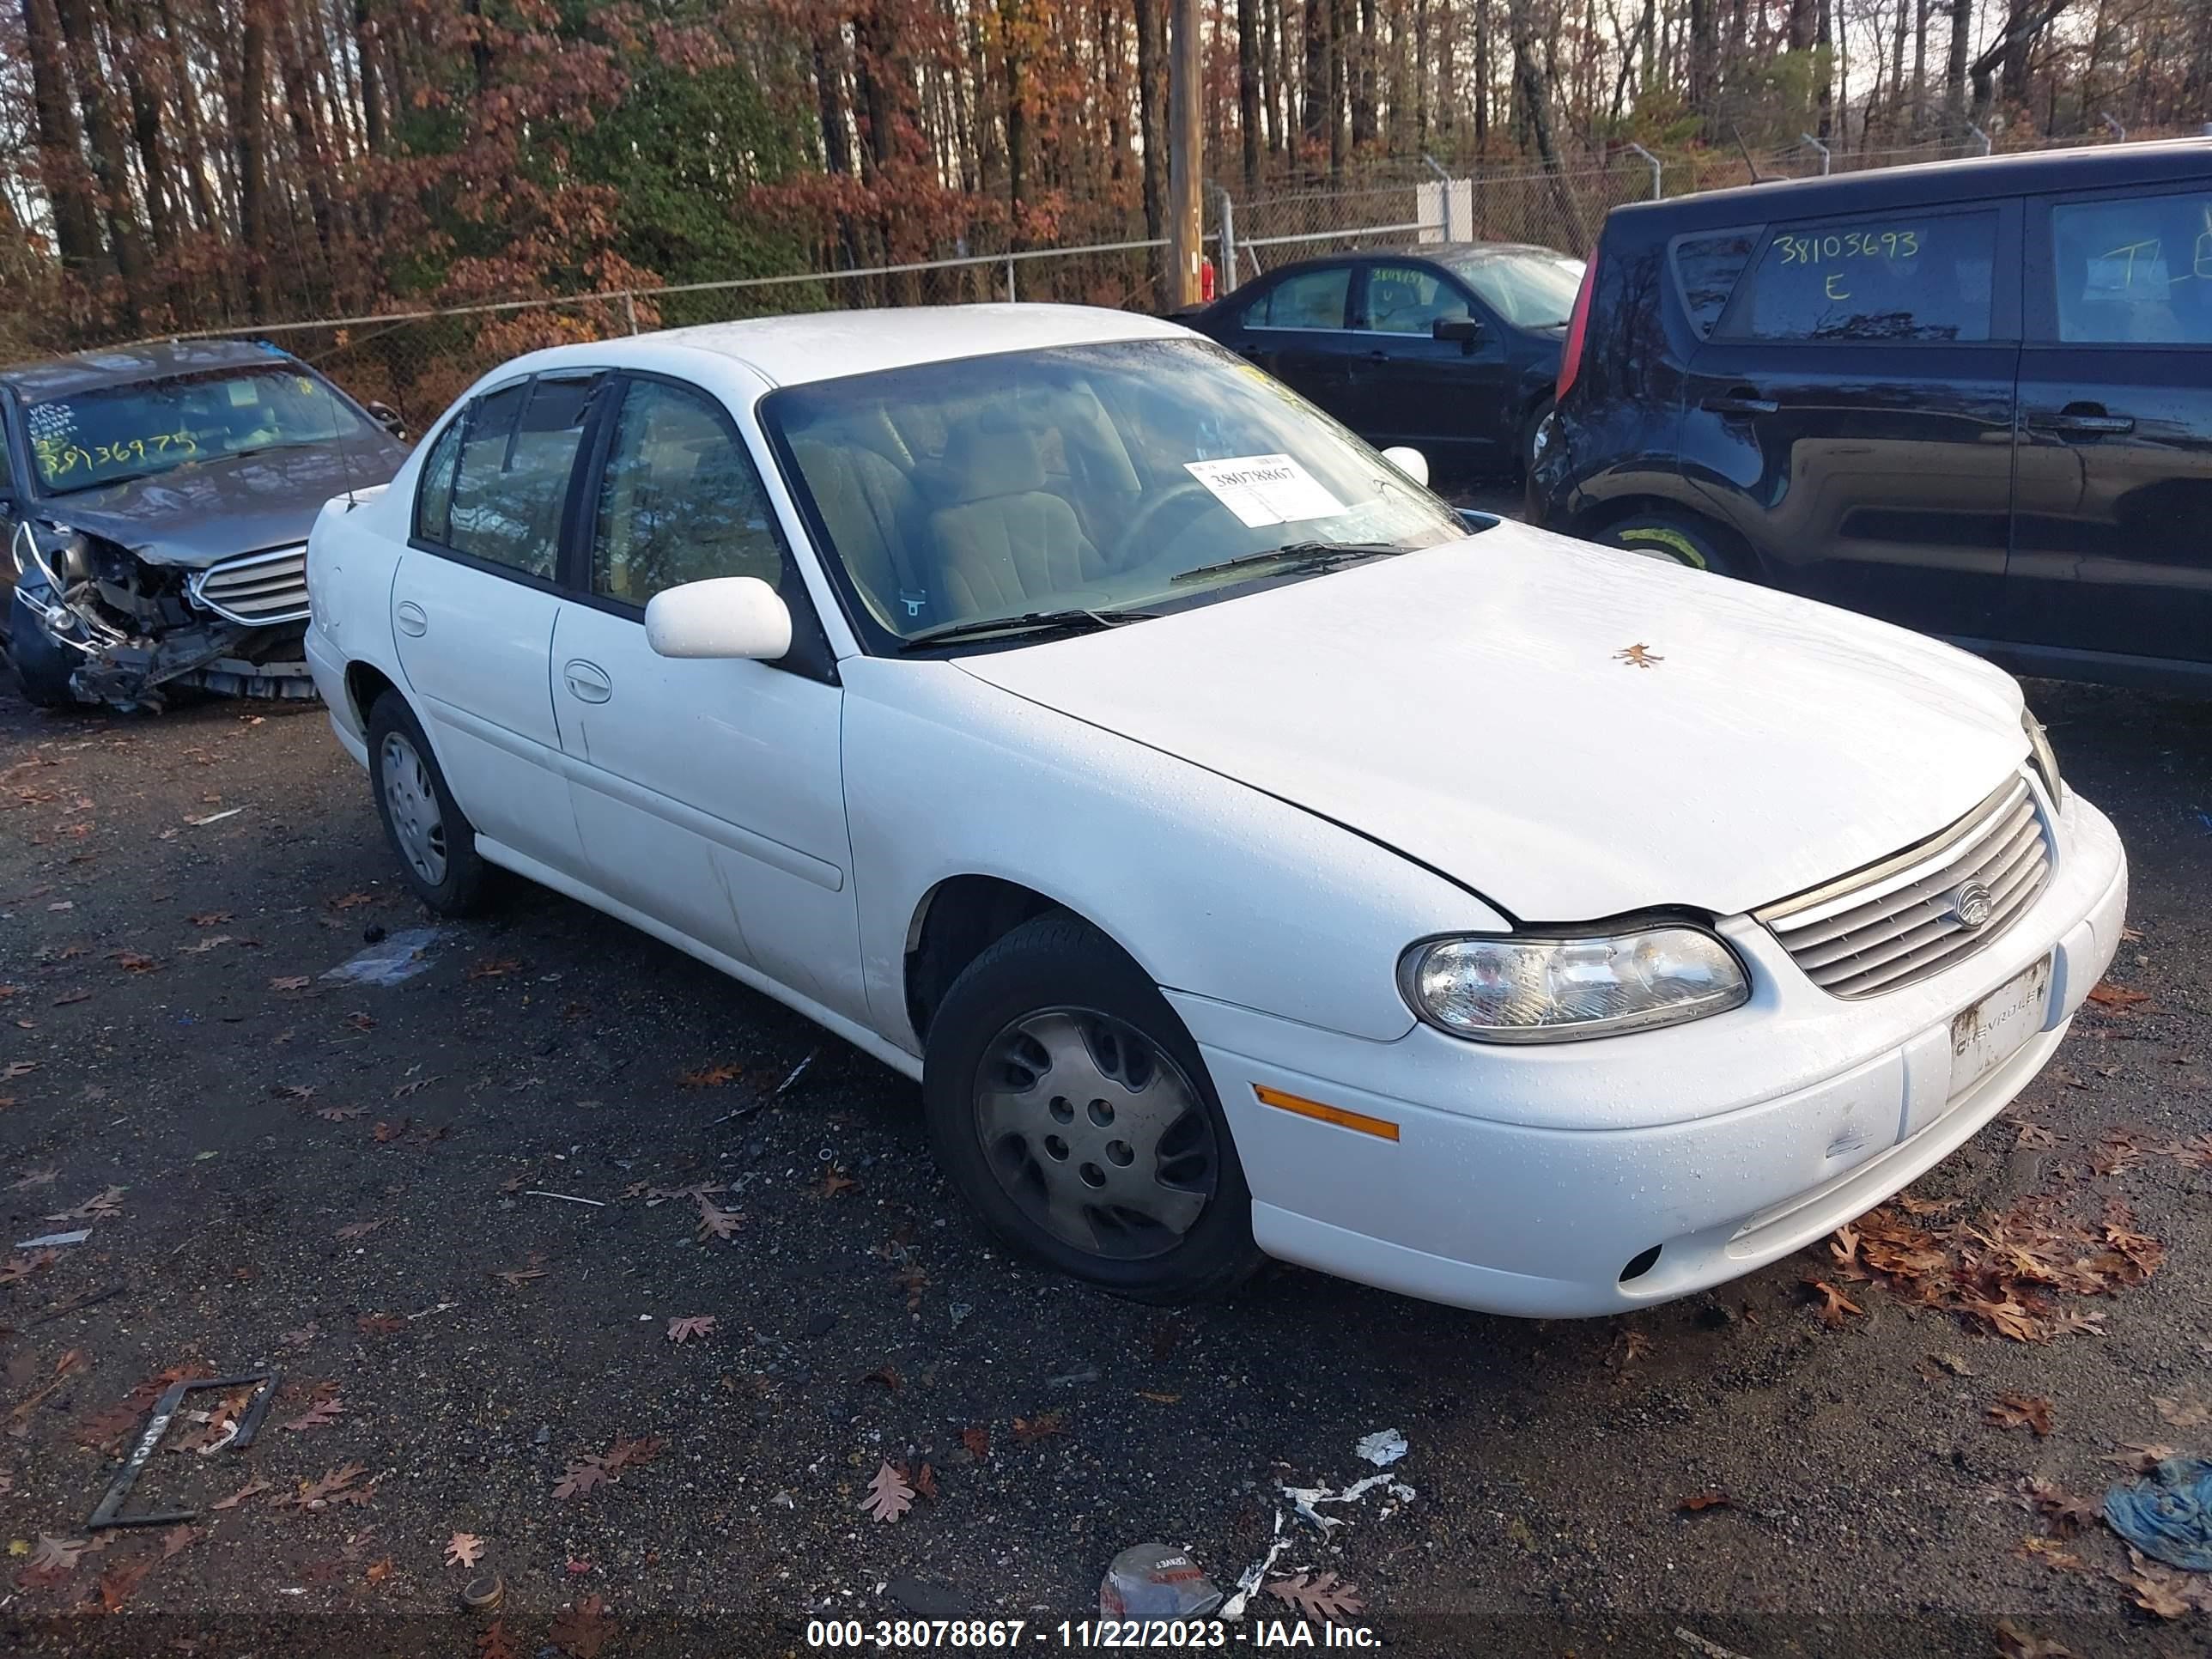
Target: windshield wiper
(1296,555)
(263,449)
(1033,622)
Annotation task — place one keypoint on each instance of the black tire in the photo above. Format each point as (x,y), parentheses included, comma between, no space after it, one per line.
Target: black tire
(1524,458)
(1056,968)
(42,668)
(1675,537)
(394,733)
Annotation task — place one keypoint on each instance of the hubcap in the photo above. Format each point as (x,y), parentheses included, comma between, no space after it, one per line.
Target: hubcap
(1096,1135)
(411,801)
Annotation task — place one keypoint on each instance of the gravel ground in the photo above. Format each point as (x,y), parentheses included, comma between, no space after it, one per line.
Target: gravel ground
(326,1179)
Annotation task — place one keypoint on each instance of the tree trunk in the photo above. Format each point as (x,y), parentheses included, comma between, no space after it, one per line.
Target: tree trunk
(1824,39)
(61,142)
(1920,10)
(250,123)
(146,133)
(1954,69)
(1152,118)
(1534,104)
(1340,63)
(1248,91)
(110,163)
(1362,65)
(197,171)
(1317,111)
(1703,53)
(371,80)
(1421,73)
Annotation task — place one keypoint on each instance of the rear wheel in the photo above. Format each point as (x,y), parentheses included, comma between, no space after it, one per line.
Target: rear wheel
(1673,538)
(436,844)
(1526,455)
(1067,1103)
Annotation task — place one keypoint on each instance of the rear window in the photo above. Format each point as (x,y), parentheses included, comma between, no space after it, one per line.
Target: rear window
(1707,268)
(1312,299)
(1911,277)
(2134,271)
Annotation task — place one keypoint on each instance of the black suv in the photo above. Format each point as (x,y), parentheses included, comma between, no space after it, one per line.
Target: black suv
(1974,397)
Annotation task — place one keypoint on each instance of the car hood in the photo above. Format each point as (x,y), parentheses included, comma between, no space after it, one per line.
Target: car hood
(1572,732)
(195,515)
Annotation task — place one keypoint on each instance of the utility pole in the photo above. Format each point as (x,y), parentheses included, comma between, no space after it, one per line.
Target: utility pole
(1186,156)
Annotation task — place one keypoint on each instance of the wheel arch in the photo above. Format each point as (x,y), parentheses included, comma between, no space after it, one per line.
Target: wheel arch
(958,918)
(364,684)
(1618,509)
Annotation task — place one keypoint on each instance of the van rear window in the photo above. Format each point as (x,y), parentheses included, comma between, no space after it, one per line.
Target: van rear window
(1915,277)
(1707,267)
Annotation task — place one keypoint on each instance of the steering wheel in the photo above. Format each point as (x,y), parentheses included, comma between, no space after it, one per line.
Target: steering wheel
(1119,558)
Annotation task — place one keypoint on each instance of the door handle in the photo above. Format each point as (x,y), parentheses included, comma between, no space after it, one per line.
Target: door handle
(1740,401)
(411,619)
(2088,422)
(587,681)
(1378,357)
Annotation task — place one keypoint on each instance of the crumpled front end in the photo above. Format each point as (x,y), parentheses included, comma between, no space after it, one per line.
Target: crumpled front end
(113,629)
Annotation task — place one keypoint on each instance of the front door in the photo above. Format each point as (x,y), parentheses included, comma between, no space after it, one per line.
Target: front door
(473,603)
(709,794)
(1451,399)
(2111,552)
(1851,414)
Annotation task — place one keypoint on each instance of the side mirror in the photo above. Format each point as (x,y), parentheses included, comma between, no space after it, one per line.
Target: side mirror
(389,418)
(1409,461)
(1465,330)
(721,617)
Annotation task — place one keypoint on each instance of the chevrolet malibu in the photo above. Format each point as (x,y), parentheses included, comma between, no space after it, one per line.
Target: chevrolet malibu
(1249,856)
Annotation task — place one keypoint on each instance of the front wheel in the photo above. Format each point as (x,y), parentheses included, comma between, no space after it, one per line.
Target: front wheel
(1067,1103)
(42,668)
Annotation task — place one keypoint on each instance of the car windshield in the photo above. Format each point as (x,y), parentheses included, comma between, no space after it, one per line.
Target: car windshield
(1529,290)
(1135,476)
(104,436)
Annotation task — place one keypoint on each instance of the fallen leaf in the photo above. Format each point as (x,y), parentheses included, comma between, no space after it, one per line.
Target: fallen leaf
(2186,1410)
(496,1643)
(978,1442)
(464,1549)
(119,1581)
(378,1571)
(362,1229)
(583,1628)
(581,1476)
(335,1486)
(1031,1430)
(179,1539)
(709,1077)
(340,1113)
(2035,1137)
(715,1223)
(2019,1411)
(379,1324)
(515,1278)
(291,982)
(101,1207)
(888,1495)
(358,1021)
(925,1483)
(1711,1499)
(32,1178)
(888,1375)
(15,1069)
(2106,994)
(2066,1513)
(1834,1304)
(253,1488)
(68,997)
(2053,1553)
(493,966)
(131,961)
(320,1414)
(209,918)
(54,1554)
(2143,1459)
(1159,1399)
(1319,1596)
(835,1180)
(681,1331)
(350,901)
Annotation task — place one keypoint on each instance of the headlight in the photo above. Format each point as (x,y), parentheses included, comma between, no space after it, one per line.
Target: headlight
(2040,756)
(1556,990)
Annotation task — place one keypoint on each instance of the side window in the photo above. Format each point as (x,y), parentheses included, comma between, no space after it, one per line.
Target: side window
(2134,271)
(1915,276)
(434,489)
(1312,299)
(1407,300)
(1707,268)
(680,501)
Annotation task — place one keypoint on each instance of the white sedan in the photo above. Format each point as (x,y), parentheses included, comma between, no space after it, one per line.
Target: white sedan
(1250,855)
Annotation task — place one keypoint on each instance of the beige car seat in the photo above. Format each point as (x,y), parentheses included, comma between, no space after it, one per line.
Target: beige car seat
(1004,543)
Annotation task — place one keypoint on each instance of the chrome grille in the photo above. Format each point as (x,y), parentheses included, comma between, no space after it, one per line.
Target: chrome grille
(259,589)
(1894,922)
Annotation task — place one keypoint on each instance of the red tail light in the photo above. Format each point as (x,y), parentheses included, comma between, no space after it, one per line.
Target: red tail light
(1570,359)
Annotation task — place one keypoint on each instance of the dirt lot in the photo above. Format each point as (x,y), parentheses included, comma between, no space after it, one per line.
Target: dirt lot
(328,1178)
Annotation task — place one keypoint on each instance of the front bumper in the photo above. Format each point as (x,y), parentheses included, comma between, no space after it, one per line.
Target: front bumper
(1525,1180)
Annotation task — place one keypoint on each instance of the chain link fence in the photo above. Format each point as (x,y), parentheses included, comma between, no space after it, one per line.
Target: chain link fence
(418,362)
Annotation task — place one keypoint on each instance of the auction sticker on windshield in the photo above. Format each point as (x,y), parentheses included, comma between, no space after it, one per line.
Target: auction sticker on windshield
(1264,489)
(1990,1032)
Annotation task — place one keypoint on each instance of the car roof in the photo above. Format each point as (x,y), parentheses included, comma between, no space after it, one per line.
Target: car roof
(824,345)
(88,371)
(1440,252)
(1928,182)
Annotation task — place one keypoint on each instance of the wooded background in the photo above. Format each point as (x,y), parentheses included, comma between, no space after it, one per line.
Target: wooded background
(179,164)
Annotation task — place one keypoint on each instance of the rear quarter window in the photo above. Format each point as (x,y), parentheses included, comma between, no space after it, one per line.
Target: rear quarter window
(1707,267)
(1910,278)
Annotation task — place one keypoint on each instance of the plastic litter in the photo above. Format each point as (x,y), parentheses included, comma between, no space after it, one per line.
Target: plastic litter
(1382,1447)
(393,960)
(1308,1500)
(1152,1581)
(2168,1516)
(50,1241)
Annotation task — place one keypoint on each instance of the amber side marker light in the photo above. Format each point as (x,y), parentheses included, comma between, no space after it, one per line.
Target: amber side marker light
(1380,1128)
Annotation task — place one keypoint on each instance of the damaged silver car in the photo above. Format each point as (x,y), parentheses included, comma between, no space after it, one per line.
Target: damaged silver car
(156,500)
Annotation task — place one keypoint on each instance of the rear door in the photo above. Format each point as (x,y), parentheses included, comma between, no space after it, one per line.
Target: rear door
(1851,416)
(1449,398)
(1299,330)
(473,601)
(2111,550)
